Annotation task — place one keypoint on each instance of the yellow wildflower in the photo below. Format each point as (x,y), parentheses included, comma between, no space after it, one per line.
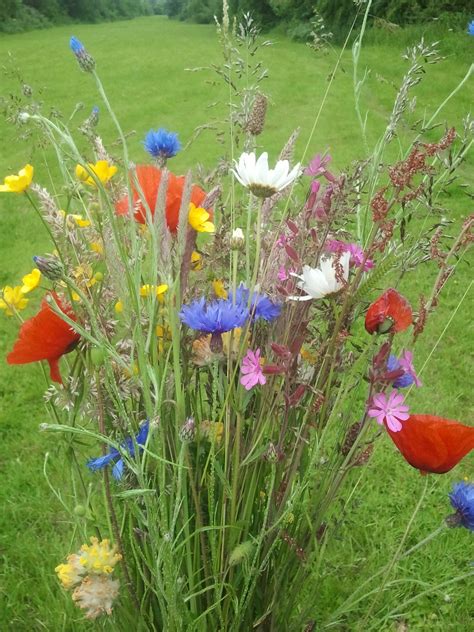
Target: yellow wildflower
(102,171)
(70,574)
(196,261)
(71,219)
(213,431)
(159,290)
(232,337)
(119,307)
(30,281)
(13,299)
(19,183)
(199,219)
(98,247)
(308,356)
(219,289)
(98,557)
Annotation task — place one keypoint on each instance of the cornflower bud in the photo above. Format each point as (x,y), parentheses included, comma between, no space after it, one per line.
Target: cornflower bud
(188,430)
(85,60)
(50,266)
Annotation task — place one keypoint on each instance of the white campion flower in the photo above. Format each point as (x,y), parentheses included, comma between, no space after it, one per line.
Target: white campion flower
(262,181)
(319,282)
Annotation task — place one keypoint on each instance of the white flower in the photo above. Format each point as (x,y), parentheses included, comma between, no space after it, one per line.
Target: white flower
(237,239)
(319,282)
(262,181)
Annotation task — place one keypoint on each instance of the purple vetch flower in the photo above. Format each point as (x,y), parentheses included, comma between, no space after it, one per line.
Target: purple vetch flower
(391,410)
(251,370)
(356,252)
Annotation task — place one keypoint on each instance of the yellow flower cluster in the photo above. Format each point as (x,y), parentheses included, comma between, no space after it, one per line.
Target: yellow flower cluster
(89,573)
(18,183)
(13,298)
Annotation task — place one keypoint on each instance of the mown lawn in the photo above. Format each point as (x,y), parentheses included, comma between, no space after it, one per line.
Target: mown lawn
(142,64)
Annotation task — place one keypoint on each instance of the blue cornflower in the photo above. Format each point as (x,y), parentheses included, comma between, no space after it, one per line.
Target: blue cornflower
(462,499)
(162,144)
(77,46)
(260,306)
(114,456)
(470,28)
(214,317)
(404,380)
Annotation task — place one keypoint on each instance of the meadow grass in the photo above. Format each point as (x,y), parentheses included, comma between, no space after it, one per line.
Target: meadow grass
(142,64)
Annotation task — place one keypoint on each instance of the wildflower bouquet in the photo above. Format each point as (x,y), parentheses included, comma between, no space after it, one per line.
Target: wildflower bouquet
(217,353)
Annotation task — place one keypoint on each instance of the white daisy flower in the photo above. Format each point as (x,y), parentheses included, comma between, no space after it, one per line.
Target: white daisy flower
(262,181)
(319,282)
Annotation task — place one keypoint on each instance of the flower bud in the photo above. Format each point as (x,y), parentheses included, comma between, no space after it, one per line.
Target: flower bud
(80,511)
(50,266)
(85,61)
(188,430)
(237,241)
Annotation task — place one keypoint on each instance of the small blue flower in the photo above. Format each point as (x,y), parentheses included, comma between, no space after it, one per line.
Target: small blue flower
(470,28)
(214,317)
(260,305)
(77,47)
(114,456)
(404,380)
(462,499)
(162,144)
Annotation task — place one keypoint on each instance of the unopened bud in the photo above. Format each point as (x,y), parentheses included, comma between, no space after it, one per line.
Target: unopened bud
(86,61)
(237,241)
(188,430)
(80,511)
(50,266)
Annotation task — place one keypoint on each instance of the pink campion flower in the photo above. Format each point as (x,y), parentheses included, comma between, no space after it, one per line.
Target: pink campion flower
(356,252)
(282,241)
(282,274)
(406,362)
(252,370)
(391,409)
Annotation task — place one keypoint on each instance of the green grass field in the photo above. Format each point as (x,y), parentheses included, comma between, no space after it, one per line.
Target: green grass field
(142,64)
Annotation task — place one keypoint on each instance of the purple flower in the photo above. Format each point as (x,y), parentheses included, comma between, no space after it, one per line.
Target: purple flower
(390,409)
(356,252)
(251,370)
(405,362)
(462,499)
(317,167)
(114,456)
(214,317)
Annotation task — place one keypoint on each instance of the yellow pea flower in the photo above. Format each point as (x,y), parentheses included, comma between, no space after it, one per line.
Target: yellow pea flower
(159,290)
(196,261)
(219,289)
(30,281)
(71,219)
(102,170)
(12,300)
(18,183)
(199,219)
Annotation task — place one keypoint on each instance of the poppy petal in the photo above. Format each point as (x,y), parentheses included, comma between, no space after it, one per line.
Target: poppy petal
(433,444)
(391,312)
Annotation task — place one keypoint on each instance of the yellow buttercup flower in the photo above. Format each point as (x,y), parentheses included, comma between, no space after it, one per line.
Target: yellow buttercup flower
(119,307)
(159,290)
(102,171)
(30,281)
(13,299)
(19,183)
(199,219)
(219,289)
(196,261)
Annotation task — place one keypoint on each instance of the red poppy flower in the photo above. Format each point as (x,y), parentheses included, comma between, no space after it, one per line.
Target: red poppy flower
(149,178)
(45,337)
(391,312)
(432,444)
